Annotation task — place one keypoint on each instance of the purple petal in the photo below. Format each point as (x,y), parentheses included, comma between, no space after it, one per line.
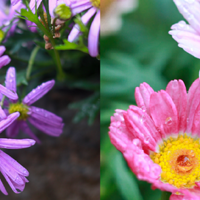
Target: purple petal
(52,5)
(15,143)
(2,113)
(50,130)
(4,60)
(13,129)
(10,183)
(13,2)
(8,121)
(27,130)
(80,6)
(45,116)
(32,4)
(2,50)
(2,188)
(93,38)
(14,164)
(39,92)
(8,93)
(10,170)
(85,19)
(11,79)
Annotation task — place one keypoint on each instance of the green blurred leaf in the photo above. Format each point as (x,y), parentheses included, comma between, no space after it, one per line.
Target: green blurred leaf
(126,184)
(21,78)
(87,108)
(72,46)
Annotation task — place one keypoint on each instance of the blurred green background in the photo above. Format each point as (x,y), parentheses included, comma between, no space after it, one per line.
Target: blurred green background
(142,51)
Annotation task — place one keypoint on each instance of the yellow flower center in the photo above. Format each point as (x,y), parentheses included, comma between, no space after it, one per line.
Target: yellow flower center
(179,159)
(21,108)
(95,3)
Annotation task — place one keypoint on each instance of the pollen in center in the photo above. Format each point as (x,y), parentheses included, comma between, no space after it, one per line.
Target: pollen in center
(179,159)
(21,108)
(95,3)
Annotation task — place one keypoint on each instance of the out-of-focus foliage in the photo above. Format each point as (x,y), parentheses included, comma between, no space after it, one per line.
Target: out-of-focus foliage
(142,51)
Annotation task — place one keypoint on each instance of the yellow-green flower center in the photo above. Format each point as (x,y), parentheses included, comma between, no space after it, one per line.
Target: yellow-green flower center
(21,108)
(179,159)
(95,3)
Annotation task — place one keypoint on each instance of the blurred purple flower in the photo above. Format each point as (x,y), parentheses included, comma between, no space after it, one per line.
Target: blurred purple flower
(4,60)
(188,35)
(14,173)
(44,120)
(7,14)
(93,9)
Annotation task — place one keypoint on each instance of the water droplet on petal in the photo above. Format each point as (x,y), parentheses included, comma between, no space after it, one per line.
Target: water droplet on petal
(168,121)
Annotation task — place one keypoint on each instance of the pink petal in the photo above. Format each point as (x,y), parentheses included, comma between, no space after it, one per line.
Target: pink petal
(177,91)
(140,163)
(193,102)
(141,126)
(142,96)
(119,135)
(164,114)
(38,92)
(190,11)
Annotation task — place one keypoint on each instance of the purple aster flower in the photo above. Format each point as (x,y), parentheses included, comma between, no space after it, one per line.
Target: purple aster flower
(13,172)
(93,9)
(4,60)
(44,120)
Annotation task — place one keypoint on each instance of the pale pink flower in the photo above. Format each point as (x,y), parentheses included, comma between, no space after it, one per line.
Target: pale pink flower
(159,138)
(188,35)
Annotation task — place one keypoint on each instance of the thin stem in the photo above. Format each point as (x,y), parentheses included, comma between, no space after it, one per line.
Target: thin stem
(2,100)
(31,61)
(165,195)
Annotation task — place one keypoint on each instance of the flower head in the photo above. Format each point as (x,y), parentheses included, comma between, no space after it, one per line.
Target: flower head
(44,120)
(92,9)
(188,35)
(160,138)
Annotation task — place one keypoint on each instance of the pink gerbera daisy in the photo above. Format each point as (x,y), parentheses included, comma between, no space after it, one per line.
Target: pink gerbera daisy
(188,35)
(159,138)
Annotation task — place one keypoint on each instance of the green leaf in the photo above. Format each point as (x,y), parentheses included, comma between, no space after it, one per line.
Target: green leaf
(72,46)
(126,184)
(87,108)
(21,78)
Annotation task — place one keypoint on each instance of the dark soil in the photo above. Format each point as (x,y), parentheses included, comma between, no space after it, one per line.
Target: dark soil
(63,168)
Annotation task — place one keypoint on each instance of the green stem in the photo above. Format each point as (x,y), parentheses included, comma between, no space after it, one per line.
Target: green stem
(165,195)
(2,101)
(31,61)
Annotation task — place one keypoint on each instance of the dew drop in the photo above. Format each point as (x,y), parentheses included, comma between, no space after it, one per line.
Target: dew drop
(168,121)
